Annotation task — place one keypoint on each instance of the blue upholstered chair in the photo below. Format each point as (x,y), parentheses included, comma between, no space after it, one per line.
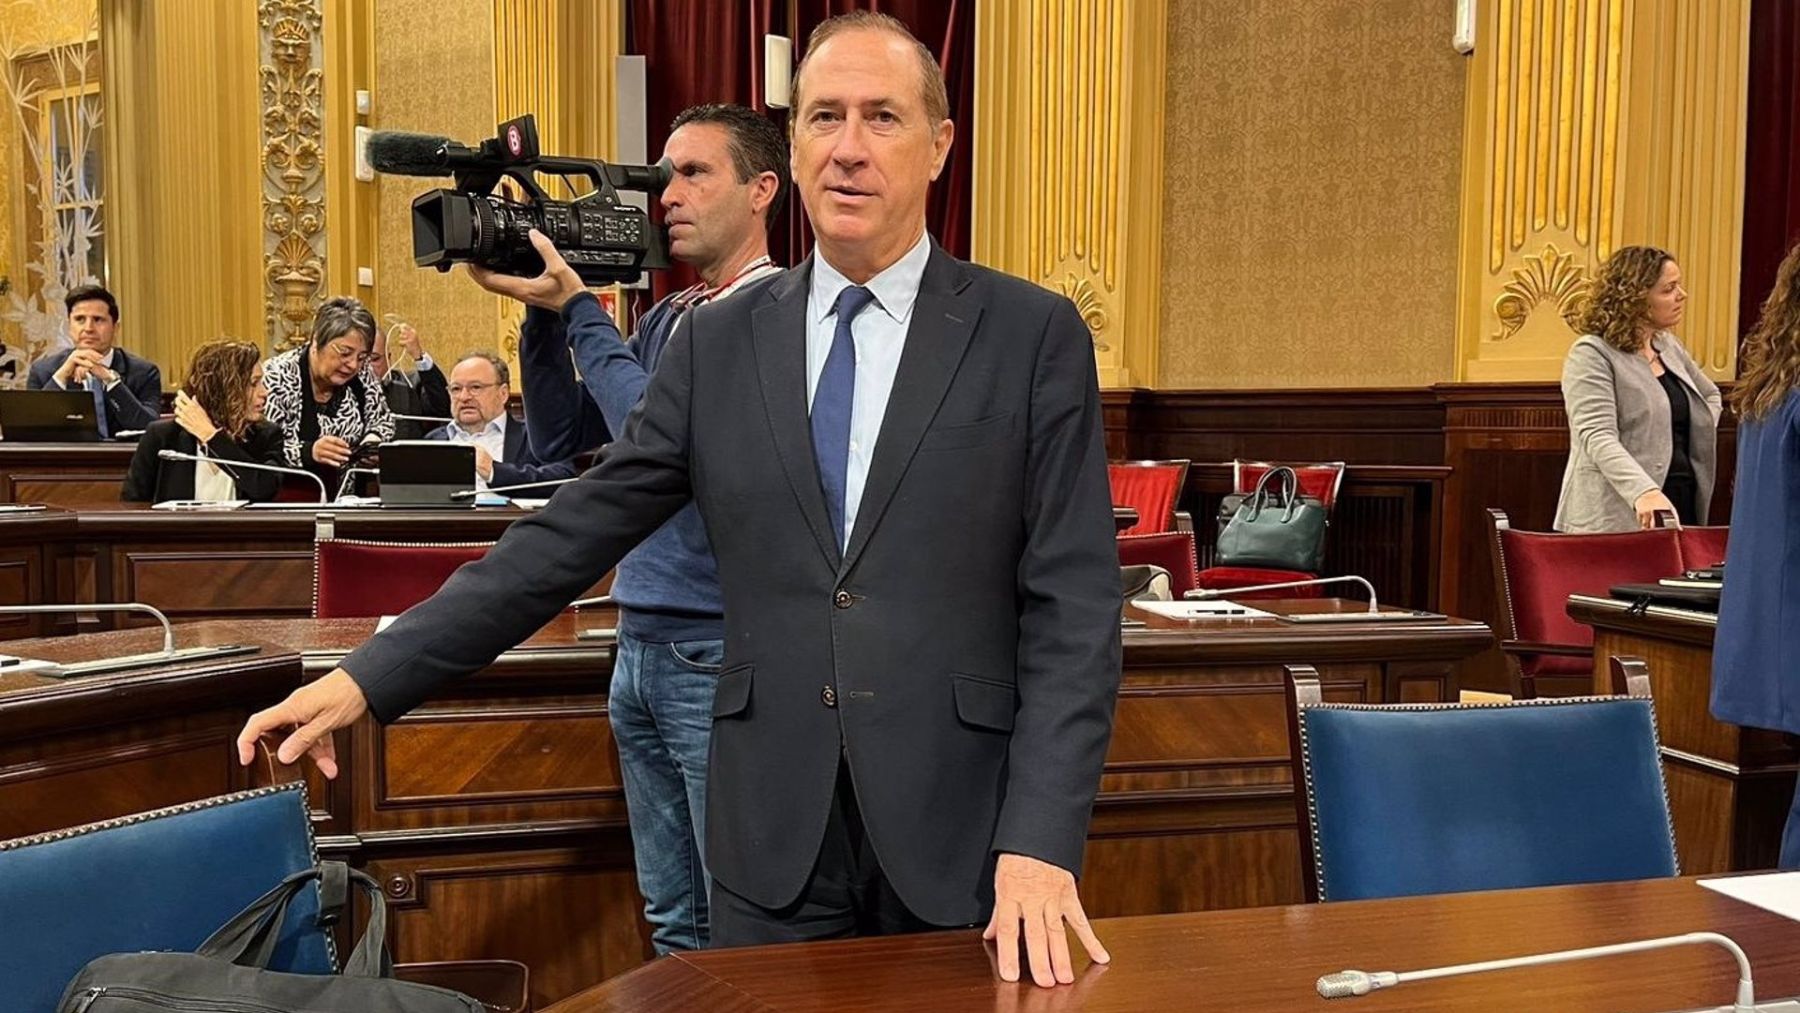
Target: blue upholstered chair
(1404,799)
(162,880)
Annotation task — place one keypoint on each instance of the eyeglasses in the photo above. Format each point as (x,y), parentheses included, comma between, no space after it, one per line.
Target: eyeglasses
(350,352)
(474,389)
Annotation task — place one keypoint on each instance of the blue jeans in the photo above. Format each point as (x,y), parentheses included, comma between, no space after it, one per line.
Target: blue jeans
(660,707)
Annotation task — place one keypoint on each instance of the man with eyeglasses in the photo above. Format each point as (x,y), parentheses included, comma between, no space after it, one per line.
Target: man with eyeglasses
(479,388)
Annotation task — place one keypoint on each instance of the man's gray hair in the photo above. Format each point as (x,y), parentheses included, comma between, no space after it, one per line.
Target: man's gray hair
(501,369)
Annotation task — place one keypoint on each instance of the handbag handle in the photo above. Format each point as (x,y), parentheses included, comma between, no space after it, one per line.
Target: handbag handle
(1259,497)
(249,939)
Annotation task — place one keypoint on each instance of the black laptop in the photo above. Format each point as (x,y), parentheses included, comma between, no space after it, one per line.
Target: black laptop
(48,416)
(427,473)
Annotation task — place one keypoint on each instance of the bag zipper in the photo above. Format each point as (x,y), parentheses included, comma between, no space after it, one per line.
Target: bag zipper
(148,998)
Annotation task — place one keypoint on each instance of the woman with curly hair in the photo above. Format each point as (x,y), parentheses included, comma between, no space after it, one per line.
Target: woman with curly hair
(1755,681)
(1643,418)
(218,414)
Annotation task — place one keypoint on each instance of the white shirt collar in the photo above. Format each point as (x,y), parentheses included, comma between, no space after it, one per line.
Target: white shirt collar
(895,289)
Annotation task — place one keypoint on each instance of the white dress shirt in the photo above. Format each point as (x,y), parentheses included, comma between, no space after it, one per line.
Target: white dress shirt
(491,438)
(879,332)
(213,484)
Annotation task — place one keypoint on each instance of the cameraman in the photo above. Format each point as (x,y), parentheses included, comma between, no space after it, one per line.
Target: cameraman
(730,178)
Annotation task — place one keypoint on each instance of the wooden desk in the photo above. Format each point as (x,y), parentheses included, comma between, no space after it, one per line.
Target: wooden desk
(64,474)
(238,564)
(78,750)
(1266,959)
(1729,787)
(31,548)
(494,816)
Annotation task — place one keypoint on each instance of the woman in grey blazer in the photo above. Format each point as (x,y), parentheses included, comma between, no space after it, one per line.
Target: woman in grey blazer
(1643,418)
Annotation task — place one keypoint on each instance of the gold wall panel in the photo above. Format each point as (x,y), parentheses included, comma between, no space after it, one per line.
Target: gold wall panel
(1595,124)
(293,165)
(434,74)
(1068,162)
(1311,194)
(184,213)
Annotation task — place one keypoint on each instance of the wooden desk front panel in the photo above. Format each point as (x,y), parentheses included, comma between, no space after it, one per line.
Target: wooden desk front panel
(72,475)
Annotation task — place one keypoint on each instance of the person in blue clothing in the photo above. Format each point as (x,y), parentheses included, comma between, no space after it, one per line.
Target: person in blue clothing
(1756,680)
(730,179)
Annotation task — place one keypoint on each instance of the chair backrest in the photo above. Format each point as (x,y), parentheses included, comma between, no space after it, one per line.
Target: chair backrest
(363,579)
(1152,488)
(1407,799)
(1321,481)
(1702,548)
(1171,550)
(162,880)
(1536,572)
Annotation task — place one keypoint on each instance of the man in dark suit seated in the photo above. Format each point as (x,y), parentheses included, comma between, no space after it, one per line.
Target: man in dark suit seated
(900,463)
(421,391)
(479,387)
(127,390)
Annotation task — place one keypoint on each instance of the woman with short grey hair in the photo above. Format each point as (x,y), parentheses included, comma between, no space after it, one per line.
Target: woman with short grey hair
(323,394)
(1643,417)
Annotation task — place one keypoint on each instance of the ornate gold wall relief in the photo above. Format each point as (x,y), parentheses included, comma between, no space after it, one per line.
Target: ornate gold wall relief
(1591,125)
(293,179)
(1068,162)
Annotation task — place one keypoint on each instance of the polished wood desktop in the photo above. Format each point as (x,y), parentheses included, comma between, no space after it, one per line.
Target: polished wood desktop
(1266,960)
(494,814)
(1729,787)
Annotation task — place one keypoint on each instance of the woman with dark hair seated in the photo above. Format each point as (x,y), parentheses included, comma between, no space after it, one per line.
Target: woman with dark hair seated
(218,414)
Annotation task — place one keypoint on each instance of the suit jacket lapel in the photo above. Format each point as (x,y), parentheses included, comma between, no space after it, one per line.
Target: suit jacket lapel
(778,335)
(943,320)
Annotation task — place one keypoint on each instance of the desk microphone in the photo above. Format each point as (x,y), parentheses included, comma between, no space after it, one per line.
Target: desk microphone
(1206,594)
(469,493)
(168,653)
(1352,983)
(176,455)
(420,418)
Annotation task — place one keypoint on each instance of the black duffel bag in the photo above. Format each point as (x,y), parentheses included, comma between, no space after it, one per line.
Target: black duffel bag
(229,970)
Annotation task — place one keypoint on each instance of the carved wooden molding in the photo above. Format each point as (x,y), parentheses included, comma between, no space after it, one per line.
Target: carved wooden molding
(292,76)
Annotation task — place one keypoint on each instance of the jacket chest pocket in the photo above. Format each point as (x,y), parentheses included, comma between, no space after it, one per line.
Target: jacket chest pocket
(968,434)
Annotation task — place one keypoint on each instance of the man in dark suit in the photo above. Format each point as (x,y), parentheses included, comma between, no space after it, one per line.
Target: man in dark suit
(127,390)
(899,462)
(479,388)
(421,392)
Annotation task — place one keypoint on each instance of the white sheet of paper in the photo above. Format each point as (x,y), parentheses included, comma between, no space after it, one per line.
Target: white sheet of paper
(384,622)
(1776,891)
(1203,610)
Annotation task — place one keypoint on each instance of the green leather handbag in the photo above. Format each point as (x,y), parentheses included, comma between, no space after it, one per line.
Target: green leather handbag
(1273,527)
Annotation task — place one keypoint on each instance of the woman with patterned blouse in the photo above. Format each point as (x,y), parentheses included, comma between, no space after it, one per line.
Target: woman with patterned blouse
(324,397)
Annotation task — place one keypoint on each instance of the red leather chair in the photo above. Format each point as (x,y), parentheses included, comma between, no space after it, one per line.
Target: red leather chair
(1548,653)
(1702,548)
(1171,550)
(353,578)
(1321,482)
(1152,488)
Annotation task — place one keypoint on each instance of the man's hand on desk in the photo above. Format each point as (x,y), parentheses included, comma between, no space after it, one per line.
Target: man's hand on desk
(313,711)
(1043,897)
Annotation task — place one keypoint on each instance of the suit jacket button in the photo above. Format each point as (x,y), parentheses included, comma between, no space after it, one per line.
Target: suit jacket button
(841,599)
(828,696)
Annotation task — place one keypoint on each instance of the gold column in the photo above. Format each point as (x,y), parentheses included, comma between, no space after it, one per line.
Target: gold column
(293,164)
(1068,162)
(1590,125)
(348,41)
(183,198)
(554,59)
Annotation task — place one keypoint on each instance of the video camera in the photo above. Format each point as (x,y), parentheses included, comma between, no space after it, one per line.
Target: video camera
(603,238)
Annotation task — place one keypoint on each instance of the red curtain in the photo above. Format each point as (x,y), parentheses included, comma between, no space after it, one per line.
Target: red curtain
(1772,151)
(700,51)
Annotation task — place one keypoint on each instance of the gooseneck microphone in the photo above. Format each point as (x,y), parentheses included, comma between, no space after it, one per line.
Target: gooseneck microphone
(470,493)
(1344,984)
(1205,594)
(176,455)
(405,154)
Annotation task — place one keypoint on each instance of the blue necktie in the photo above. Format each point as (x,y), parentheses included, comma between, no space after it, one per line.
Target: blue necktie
(98,389)
(831,406)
